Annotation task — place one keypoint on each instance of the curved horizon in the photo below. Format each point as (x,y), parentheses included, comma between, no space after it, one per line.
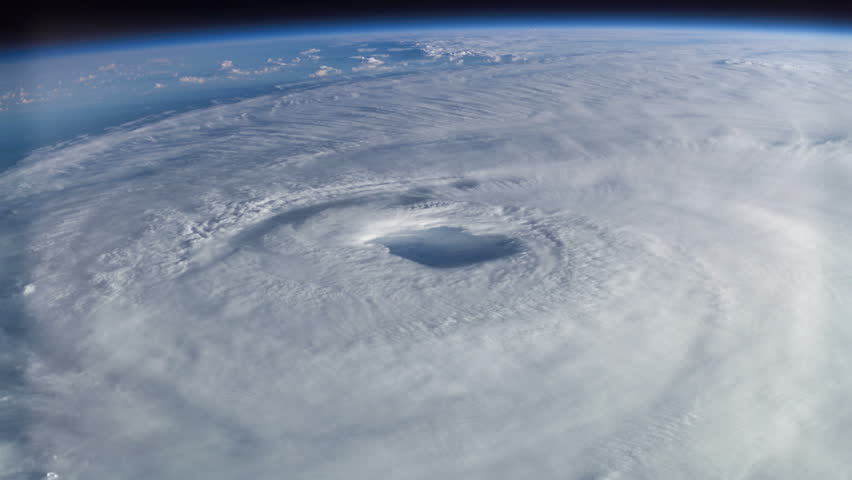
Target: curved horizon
(277,29)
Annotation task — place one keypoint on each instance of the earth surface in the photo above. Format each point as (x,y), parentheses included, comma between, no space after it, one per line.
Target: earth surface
(578,252)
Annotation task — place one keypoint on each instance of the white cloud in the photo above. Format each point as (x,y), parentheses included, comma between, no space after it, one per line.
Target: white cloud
(257,71)
(455,51)
(159,85)
(273,65)
(192,79)
(310,54)
(325,70)
(368,63)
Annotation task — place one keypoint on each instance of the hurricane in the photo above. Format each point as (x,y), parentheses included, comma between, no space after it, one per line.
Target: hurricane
(549,253)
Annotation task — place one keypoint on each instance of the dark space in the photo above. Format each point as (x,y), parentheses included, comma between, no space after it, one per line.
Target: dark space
(38,24)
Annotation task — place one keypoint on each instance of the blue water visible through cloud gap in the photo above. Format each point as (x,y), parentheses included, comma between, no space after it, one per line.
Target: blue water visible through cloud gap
(447,247)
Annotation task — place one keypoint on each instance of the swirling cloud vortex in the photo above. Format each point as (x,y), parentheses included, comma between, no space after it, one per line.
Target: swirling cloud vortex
(213,295)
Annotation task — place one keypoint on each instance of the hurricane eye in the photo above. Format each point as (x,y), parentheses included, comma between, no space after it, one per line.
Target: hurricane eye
(447,247)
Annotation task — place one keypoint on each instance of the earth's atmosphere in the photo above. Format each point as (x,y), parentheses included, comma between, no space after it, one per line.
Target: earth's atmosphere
(577,253)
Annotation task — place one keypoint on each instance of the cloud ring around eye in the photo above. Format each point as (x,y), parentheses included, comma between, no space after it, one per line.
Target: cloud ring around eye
(559,262)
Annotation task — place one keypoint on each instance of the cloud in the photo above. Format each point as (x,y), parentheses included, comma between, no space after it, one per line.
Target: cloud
(159,85)
(456,51)
(325,70)
(368,63)
(19,96)
(270,67)
(192,79)
(310,54)
(108,68)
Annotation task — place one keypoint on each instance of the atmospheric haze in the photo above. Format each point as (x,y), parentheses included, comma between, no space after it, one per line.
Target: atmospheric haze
(591,254)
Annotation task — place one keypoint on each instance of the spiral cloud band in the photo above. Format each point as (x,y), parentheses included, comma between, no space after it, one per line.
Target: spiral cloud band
(625,263)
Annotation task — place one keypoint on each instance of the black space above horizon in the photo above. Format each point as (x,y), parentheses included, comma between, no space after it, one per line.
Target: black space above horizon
(52,24)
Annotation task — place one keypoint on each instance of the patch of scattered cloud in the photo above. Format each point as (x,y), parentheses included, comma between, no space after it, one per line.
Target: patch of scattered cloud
(272,65)
(192,79)
(369,63)
(325,70)
(456,52)
(310,54)
(18,96)
(256,71)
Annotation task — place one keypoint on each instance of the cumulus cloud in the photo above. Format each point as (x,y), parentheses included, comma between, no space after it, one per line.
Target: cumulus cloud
(649,275)
(456,51)
(325,70)
(310,54)
(368,63)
